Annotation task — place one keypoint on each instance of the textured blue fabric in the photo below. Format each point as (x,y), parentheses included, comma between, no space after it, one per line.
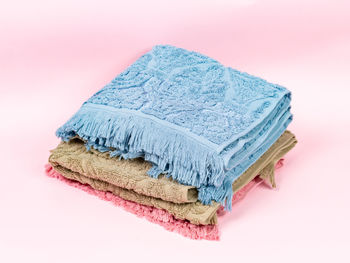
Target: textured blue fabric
(198,121)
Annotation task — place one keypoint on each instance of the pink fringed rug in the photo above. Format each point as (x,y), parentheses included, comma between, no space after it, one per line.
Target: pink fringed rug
(159,216)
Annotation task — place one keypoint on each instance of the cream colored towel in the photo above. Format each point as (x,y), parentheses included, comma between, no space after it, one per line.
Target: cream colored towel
(129,180)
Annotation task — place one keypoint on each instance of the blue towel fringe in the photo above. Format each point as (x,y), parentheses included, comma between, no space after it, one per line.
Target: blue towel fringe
(188,162)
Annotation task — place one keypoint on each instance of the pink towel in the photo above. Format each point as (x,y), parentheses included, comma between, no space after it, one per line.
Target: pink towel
(159,216)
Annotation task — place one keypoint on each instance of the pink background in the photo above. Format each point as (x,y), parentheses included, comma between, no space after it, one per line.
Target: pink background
(55,54)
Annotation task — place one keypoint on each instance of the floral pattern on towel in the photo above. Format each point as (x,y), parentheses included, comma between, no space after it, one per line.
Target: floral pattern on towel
(192,91)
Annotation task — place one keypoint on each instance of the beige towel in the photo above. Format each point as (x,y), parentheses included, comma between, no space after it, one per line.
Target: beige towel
(128,178)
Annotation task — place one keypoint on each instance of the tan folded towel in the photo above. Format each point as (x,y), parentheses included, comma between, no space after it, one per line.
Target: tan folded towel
(128,178)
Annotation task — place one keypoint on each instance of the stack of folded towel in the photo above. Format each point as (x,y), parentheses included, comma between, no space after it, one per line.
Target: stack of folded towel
(174,138)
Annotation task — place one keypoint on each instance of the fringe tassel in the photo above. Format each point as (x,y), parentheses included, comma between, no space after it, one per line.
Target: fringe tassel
(184,159)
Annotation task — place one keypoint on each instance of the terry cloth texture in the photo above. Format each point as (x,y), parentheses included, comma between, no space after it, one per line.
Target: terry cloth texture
(128,179)
(197,121)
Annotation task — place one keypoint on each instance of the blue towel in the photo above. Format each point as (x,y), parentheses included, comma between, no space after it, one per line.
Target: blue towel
(199,122)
